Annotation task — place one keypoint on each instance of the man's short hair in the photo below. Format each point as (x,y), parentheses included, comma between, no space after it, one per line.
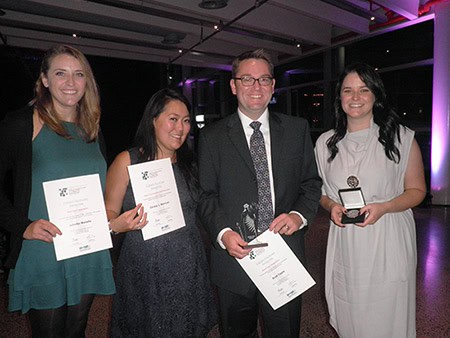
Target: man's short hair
(251,54)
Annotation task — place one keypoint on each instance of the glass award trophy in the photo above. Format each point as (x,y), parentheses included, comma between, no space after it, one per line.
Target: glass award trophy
(248,226)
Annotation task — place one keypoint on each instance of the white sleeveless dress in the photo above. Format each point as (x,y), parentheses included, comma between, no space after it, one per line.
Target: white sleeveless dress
(370,276)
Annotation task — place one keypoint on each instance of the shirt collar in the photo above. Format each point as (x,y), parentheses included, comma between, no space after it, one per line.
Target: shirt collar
(264,119)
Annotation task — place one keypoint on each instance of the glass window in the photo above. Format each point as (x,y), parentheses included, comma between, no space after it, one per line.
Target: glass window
(410,93)
(410,44)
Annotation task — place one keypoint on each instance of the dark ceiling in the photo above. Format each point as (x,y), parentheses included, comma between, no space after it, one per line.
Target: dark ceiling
(181,32)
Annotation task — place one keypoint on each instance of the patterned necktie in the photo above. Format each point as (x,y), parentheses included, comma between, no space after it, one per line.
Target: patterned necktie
(259,156)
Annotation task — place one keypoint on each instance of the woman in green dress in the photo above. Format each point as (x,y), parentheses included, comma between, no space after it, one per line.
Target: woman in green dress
(56,136)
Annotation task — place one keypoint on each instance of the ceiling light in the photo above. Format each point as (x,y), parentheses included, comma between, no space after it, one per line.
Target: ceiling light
(218,26)
(213,4)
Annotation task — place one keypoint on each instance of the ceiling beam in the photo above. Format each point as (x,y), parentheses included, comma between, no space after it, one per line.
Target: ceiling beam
(406,8)
(322,11)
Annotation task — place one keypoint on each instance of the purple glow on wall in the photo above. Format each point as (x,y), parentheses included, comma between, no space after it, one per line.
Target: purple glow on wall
(224,67)
(440,140)
(302,71)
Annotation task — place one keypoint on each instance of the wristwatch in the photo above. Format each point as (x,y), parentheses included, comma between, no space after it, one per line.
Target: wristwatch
(111,231)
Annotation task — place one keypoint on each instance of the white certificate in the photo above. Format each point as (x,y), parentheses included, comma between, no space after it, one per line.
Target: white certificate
(76,206)
(275,270)
(155,187)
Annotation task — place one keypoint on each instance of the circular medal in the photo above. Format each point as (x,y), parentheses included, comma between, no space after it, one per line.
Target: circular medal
(352,181)
(352,213)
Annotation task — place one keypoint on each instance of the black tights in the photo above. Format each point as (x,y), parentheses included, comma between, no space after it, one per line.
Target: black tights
(65,321)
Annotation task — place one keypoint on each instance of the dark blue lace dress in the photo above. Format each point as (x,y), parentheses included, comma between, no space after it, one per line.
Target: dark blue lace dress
(163,287)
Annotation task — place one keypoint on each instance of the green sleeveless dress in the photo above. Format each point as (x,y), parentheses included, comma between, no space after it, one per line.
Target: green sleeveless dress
(38,280)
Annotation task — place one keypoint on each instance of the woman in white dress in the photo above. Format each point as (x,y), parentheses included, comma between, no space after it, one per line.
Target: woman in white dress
(370,279)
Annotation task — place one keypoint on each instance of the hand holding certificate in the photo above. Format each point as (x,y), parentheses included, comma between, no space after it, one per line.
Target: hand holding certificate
(155,187)
(76,206)
(275,270)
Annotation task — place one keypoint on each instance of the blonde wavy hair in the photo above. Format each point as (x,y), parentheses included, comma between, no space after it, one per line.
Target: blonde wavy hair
(88,109)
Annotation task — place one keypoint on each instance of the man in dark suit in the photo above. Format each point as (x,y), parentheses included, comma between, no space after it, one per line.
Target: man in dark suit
(230,177)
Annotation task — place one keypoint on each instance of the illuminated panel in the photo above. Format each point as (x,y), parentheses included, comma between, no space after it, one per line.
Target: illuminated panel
(440,142)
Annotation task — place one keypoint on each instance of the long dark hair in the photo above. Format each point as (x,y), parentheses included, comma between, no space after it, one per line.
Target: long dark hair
(383,115)
(145,139)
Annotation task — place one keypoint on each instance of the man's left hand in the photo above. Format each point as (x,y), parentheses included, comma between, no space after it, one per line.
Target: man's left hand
(286,224)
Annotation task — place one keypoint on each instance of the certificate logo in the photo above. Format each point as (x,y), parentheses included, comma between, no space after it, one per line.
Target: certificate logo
(148,174)
(252,255)
(63,192)
(145,175)
(70,190)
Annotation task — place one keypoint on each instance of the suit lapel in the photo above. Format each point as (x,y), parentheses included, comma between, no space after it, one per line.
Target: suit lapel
(237,138)
(276,144)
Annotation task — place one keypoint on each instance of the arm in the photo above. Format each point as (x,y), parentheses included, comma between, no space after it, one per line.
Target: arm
(414,193)
(335,209)
(309,192)
(13,221)
(209,210)
(15,165)
(117,180)
(306,198)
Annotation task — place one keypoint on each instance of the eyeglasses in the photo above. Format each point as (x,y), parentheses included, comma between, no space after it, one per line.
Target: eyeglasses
(248,81)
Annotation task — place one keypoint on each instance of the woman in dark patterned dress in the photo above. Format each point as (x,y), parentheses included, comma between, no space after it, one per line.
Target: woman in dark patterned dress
(163,287)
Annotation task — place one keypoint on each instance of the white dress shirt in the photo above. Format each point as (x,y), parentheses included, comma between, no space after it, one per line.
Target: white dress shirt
(265,130)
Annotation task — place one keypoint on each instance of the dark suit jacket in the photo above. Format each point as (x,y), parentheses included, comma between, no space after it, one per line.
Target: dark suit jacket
(228,177)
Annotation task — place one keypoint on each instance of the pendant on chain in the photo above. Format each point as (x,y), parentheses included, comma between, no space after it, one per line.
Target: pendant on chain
(352,181)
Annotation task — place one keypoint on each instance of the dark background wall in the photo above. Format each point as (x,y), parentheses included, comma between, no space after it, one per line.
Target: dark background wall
(125,87)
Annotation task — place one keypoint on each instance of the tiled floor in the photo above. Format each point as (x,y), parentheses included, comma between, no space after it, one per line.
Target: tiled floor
(433,284)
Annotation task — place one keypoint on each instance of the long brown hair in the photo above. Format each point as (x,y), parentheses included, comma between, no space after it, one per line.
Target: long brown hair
(88,109)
